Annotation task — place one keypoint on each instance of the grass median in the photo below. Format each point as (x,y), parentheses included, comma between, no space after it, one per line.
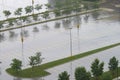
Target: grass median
(49,20)
(39,71)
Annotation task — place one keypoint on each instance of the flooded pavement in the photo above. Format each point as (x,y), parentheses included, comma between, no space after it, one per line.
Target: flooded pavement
(12,5)
(52,39)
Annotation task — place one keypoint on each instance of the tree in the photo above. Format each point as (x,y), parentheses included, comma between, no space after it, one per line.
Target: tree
(113,65)
(38,7)
(28,9)
(82,74)
(32,61)
(63,76)
(38,58)
(24,18)
(57,12)
(1,24)
(7,13)
(58,5)
(16,65)
(45,15)
(48,6)
(35,60)
(97,68)
(66,11)
(18,11)
(10,21)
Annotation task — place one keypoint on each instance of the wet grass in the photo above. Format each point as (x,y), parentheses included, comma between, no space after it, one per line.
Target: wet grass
(39,71)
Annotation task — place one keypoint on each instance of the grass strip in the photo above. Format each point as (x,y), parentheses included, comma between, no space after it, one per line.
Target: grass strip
(40,70)
(69,7)
(58,18)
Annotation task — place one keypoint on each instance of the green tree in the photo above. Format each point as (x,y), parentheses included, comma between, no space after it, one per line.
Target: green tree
(1,24)
(38,7)
(97,68)
(11,22)
(113,64)
(106,76)
(57,12)
(48,6)
(82,74)
(58,5)
(63,76)
(24,18)
(39,59)
(32,61)
(7,13)
(45,15)
(16,65)
(18,12)
(28,9)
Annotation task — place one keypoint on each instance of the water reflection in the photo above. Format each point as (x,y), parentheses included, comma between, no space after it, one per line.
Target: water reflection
(71,71)
(95,15)
(0,68)
(35,30)
(25,33)
(12,35)
(66,23)
(77,20)
(2,37)
(86,18)
(45,27)
(28,20)
(57,25)
(25,47)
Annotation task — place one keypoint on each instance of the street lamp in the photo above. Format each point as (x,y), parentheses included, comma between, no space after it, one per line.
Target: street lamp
(78,26)
(70,28)
(33,5)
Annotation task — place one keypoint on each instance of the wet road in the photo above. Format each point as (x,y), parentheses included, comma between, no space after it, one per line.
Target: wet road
(54,43)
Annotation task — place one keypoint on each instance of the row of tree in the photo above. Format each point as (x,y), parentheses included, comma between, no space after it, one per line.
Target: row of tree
(60,9)
(96,71)
(36,60)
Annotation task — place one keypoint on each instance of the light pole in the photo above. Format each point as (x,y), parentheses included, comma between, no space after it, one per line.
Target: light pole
(70,41)
(33,5)
(71,50)
(78,26)
(22,47)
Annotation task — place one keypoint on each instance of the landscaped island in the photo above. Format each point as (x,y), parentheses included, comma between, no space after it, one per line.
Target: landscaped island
(39,71)
(60,11)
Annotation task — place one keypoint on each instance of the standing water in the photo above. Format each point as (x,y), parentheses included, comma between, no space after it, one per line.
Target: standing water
(52,40)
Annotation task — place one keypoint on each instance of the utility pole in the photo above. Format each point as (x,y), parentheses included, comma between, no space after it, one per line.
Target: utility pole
(33,5)
(70,41)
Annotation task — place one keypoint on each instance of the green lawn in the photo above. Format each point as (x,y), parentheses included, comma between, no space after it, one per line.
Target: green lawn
(40,70)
